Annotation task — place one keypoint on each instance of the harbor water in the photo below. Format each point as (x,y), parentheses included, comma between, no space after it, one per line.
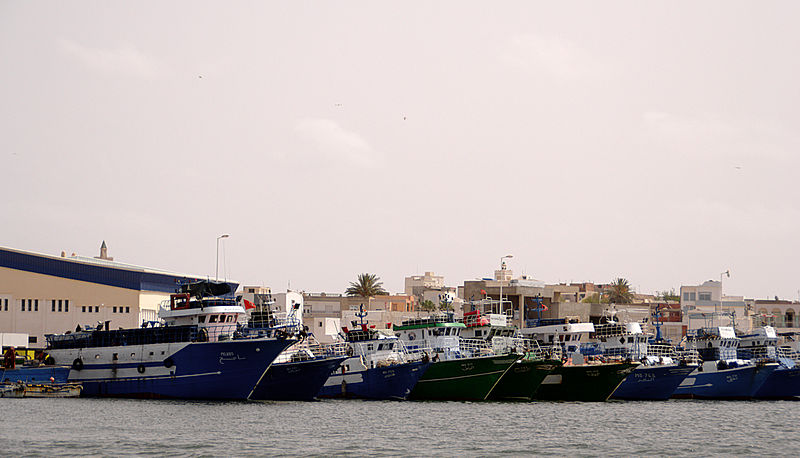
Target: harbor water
(85,426)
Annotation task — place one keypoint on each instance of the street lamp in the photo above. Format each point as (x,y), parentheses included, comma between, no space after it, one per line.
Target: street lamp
(216,272)
(502,267)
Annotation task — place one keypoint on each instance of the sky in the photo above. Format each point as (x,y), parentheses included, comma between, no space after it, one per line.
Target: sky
(654,141)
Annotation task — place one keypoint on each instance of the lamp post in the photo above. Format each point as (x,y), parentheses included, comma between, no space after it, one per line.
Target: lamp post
(502,267)
(216,264)
(728,273)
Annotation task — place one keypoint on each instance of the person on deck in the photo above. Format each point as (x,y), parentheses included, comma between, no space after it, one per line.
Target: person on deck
(10,358)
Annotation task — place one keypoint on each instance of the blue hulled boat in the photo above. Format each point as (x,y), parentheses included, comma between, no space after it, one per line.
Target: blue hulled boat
(300,371)
(196,352)
(652,382)
(722,375)
(377,367)
(661,371)
(35,374)
(298,380)
(762,345)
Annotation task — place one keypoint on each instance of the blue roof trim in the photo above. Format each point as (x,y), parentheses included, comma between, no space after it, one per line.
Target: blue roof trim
(103,275)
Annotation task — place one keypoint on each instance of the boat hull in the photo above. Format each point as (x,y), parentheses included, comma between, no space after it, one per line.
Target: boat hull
(652,383)
(590,382)
(735,383)
(468,379)
(186,370)
(782,383)
(41,374)
(295,381)
(522,380)
(389,383)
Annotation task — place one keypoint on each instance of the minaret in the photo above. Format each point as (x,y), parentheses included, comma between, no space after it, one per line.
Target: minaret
(104,252)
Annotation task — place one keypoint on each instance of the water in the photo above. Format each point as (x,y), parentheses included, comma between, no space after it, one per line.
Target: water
(336,427)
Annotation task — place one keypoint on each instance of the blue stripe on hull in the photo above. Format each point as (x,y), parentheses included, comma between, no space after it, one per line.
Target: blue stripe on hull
(209,370)
(654,383)
(393,382)
(40,374)
(738,383)
(782,383)
(295,381)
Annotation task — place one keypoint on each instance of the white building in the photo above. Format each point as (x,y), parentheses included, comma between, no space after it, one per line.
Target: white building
(703,304)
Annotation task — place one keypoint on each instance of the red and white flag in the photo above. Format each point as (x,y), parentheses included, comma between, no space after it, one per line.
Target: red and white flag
(249,305)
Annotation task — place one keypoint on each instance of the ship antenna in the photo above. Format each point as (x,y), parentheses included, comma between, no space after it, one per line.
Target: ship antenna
(361,314)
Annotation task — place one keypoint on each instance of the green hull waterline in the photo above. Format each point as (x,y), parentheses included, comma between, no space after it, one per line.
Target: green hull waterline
(469,379)
(591,382)
(523,379)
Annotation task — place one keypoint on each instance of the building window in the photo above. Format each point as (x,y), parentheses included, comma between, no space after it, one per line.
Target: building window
(83,309)
(66,305)
(115,310)
(96,309)
(36,305)
(691,296)
(22,301)
(704,296)
(6,306)
(32,339)
(60,303)
(127,310)
(53,303)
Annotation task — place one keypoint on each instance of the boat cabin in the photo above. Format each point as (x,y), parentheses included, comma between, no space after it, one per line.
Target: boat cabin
(714,343)
(625,340)
(566,335)
(760,344)
(439,334)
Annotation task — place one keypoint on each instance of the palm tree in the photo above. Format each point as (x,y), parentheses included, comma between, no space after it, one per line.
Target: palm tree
(367,285)
(427,306)
(620,292)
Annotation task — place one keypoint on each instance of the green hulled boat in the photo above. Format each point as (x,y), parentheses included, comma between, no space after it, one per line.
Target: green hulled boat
(561,337)
(522,380)
(585,382)
(461,370)
(465,379)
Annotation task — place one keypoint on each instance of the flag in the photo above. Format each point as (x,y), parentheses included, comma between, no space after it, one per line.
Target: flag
(249,305)
(483,291)
(544,307)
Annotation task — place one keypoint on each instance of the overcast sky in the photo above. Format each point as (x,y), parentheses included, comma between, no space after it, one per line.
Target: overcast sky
(653,141)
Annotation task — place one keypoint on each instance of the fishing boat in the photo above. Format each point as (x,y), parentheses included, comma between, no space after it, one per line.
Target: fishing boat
(522,380)
(300,371)
(43,373)
(377,366)
(721,374)
(581,377)
(196,351)
(761,345)
(461,369)
(661,371)
(40,390)
(12,390)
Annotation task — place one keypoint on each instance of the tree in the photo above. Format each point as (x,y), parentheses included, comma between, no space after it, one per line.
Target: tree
(595,299)
(445,304)
(619,292)
(367,285)
(427,306)
(670,295)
